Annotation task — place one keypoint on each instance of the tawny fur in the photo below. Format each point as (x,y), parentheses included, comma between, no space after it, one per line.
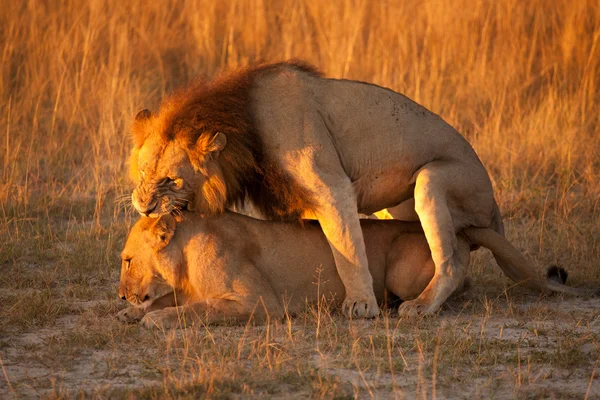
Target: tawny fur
(232,267)
(294,143)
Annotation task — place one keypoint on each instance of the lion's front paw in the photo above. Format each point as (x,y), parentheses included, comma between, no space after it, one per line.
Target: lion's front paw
(360,308)
(416,307)
(131,314)
(162,319)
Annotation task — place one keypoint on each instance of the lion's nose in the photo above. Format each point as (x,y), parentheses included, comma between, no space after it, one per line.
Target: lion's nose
(144,202)
(148,209)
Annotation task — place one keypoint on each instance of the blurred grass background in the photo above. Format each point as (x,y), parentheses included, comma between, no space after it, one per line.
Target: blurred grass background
(519,79)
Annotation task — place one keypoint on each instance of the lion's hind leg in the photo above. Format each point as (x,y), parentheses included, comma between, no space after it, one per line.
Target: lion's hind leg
(431,204)
(409,267)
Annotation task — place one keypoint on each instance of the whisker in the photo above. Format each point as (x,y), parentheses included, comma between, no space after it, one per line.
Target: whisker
(122,197)
(123,200)
(123,204)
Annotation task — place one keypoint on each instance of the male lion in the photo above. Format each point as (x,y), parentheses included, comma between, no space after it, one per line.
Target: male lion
(228,267)
(295,143)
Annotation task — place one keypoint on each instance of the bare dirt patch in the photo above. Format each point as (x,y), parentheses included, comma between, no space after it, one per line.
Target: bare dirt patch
(508,347)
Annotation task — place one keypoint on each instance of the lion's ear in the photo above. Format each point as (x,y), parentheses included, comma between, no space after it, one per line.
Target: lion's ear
(162,231)
(139,129)
(143,115)
(212,144)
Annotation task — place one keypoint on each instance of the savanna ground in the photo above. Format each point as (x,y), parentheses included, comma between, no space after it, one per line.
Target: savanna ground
(521,81)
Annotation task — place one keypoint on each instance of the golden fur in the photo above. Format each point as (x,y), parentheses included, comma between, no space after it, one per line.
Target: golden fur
(293,143)
(228,267)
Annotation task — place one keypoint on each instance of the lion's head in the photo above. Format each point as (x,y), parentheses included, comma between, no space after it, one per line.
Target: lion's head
(146,273)
(202,151)
(197,152)
(178,172)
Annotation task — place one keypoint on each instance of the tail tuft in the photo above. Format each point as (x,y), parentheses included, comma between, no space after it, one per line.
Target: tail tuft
(557,274)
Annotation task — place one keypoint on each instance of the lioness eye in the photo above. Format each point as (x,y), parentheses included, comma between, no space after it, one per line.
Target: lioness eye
(178,182)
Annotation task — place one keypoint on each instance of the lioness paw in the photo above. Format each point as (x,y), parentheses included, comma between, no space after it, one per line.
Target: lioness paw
(131,314)
(415,307)
(353,308)
(161,319)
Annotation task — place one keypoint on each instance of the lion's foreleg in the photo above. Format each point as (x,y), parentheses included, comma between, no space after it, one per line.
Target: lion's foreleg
(338,216)
(318,168)
(209,312)
(136,313)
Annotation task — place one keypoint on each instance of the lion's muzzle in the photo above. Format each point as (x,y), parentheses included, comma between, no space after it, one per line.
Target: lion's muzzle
(136,299)
(134,294)
(145,201)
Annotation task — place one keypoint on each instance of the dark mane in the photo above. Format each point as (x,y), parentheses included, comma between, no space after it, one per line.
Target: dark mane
(224,105)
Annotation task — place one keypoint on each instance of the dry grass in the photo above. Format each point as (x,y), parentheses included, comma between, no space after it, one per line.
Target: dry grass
(520,79)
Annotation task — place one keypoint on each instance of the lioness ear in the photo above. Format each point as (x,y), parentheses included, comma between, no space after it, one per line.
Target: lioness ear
(212,144)
(162,231)
(139,129)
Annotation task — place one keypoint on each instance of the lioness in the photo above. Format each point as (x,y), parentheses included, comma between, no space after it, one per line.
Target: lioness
(232,267)
(295,143)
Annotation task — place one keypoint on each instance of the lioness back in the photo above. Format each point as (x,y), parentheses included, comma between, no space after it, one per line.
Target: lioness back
(297,261)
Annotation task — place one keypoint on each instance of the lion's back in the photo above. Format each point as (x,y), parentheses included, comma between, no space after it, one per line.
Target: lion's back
(294,107)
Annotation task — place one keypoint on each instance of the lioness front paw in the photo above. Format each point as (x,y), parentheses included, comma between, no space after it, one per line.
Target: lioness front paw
(360,308)
(163,319)
(131,314)
(416,307)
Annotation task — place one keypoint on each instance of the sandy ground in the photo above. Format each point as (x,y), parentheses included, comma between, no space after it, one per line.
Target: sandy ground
(508,346)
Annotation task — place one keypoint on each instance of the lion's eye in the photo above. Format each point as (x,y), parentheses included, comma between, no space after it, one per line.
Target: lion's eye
(158,277)
(178,182)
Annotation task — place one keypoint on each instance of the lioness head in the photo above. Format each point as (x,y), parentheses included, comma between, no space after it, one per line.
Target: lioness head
(175,167)
(145,273)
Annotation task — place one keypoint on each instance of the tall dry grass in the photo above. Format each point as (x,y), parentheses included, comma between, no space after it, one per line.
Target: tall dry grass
(520,79)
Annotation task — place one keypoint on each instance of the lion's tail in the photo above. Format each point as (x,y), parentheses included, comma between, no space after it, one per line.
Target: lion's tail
(518,268)
(497,224)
